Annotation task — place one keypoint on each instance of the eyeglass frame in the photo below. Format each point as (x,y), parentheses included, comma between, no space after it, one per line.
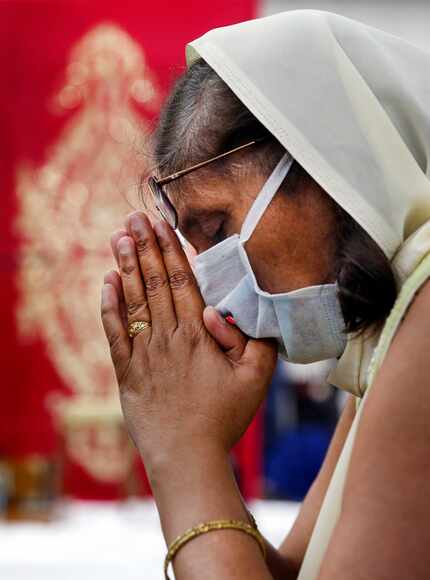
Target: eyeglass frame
(156,185)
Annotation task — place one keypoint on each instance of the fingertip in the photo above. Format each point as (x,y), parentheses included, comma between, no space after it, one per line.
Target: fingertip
(161,228)
(119,232)
(208,310)
(114,239)
(212,316)
(134,216)
(116,236)
(127,220)
(109,297)
(110,276)
(125,247)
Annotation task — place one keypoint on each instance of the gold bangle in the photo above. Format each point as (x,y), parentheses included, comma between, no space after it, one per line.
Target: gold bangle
(251,517)
(203,528)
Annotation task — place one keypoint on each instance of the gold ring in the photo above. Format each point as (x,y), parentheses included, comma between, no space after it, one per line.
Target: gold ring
(135,327)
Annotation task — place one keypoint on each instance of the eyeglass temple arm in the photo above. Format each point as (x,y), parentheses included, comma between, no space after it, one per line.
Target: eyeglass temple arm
(174,176)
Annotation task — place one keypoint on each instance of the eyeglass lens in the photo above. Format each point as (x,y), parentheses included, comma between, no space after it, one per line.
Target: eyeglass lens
(163,204)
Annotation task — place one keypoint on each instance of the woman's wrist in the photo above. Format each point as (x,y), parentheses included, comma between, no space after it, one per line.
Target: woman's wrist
(166,461)
(195,485)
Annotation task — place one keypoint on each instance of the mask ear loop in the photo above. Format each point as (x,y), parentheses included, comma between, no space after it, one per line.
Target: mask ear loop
(265,196)
(183,241)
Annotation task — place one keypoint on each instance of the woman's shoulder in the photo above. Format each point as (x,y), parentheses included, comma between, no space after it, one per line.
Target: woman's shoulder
(405,369)
(418,309)
(413,333)
(385,496)
(410,313)
(415,323)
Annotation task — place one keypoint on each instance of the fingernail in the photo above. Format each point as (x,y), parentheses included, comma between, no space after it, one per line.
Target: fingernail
(220,318)
(105,290)
(124,245)
(108,275)
(136,223)
(119,233)
(229,318)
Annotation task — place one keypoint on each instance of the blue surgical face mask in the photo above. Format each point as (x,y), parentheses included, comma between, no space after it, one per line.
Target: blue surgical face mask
(307,323)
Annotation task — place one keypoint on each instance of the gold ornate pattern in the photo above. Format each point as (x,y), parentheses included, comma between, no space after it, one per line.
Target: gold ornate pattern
(138,326)
(68,208)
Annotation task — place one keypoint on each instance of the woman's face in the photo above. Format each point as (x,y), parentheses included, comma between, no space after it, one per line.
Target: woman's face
(292,246)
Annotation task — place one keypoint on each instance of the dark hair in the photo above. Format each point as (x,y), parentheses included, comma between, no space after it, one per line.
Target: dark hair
(202,118)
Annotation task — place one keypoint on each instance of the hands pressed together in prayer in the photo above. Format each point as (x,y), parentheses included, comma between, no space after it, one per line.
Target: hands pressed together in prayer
(190,376)
(189,385)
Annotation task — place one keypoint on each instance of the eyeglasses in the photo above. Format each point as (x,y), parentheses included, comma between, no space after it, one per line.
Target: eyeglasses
(161,199)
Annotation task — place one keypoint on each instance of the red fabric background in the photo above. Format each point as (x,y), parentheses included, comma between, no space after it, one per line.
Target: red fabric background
(35,39)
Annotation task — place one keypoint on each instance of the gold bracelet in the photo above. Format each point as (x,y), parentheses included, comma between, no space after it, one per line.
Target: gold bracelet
(251,517)
(203,528)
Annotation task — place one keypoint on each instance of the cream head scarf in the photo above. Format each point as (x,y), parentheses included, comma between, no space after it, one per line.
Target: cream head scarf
(352,105)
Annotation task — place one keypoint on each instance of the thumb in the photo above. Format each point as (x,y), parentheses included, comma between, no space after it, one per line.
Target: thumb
(262,355)
(232,341)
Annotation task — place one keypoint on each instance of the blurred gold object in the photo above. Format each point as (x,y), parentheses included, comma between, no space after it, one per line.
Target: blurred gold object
(33,488)
(5,487)
(94,431)
(89,177)
(134,328)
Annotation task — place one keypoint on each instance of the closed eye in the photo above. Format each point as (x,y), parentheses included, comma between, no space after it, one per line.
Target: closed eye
(220,234)
(204,228)
(214,228)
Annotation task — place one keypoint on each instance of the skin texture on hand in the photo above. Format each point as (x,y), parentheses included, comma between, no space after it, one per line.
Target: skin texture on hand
(176,382)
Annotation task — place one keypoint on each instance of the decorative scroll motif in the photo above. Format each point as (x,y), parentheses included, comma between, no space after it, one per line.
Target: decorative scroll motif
(68,208)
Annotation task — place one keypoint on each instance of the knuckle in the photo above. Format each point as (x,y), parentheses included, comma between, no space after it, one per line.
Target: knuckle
(106,310)
(192,331)
(260,366)
(143,245)
(127,268)
(128,394)
(160,342)
(114,340)
(134,307)
(154,283)
(125,382)
(165,244)
(180,279)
